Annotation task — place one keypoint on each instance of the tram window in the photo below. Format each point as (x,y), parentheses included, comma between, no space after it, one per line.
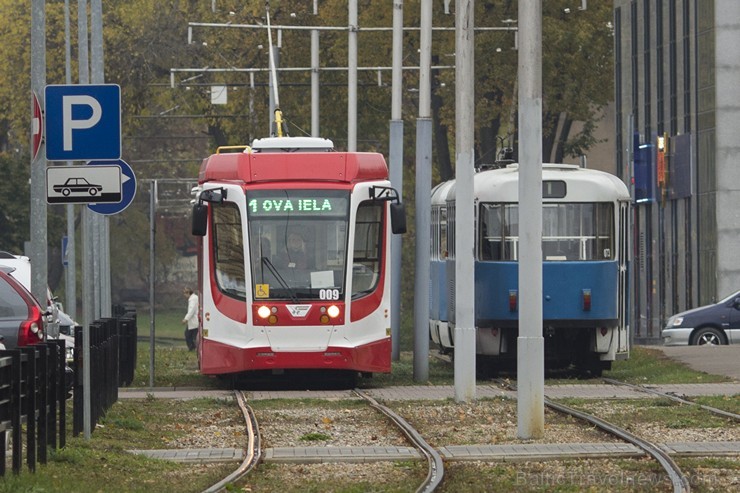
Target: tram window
(367,250)
(228,250)
(438,245)
(442,233)
(499,232)
(570,231)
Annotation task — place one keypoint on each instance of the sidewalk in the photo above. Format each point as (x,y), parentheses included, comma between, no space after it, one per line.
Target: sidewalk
(442,392)
(508,453)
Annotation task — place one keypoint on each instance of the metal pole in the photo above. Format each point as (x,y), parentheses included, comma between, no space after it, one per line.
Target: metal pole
(315,109)
(39,250)
(102,281)
(271,86)
(152,231)
(530,343)
(423,199)
(352,78)
(464,231)
(71,270)
(396,164)
(87,254)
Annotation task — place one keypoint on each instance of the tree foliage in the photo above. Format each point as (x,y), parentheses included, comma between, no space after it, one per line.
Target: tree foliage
(169,124)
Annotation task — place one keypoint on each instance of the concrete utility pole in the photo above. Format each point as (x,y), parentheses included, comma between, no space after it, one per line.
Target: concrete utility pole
(396,171)
(423,197)
(464,170)
(315,76)
(352,78)
(530,343)
(39,250)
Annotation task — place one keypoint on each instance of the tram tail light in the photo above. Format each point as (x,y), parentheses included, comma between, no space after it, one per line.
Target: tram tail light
(512,300)
(586,300)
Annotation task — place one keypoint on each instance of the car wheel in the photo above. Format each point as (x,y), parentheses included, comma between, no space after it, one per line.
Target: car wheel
(65,191)
(93,191)
(708,336)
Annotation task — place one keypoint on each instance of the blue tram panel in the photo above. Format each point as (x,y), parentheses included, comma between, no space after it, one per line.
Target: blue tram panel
(563,286)
(438,291)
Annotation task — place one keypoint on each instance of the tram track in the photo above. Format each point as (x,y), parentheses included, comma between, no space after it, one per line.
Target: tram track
(678,480)
(675,398)
(339,439)
(436,466)
(253,451)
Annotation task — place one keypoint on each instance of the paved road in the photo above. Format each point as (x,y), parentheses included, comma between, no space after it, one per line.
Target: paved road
(717,360)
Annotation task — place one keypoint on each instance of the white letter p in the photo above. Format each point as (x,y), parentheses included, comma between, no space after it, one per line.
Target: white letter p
(70,124)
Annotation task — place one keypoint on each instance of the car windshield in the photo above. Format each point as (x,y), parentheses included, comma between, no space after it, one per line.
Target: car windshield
(731,297)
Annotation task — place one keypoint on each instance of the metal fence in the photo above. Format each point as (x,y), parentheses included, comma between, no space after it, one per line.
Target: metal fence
(32,393)
(112,364)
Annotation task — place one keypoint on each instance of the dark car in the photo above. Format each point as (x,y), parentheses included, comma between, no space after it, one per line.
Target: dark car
(712,324)
(22,319)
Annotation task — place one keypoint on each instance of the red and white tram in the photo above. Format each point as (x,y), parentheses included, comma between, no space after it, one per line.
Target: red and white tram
(294,260)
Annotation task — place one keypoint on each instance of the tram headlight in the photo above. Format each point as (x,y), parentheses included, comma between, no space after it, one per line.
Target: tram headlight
(333,311)
(263,311)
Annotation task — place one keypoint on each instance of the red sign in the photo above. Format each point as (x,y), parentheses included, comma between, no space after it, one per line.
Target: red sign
(37,128)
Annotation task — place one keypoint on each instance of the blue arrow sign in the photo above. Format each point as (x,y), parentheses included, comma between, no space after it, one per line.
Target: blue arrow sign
(128,188)
(83,122)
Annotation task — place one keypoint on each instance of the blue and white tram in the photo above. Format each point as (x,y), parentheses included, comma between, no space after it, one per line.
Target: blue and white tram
(438,327)
(585,257)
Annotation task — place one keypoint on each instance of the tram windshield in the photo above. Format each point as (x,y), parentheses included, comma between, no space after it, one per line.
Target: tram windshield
(298,243)
(570,231)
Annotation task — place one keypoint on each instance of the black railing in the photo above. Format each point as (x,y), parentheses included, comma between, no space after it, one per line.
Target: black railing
(32,392)
(112,364)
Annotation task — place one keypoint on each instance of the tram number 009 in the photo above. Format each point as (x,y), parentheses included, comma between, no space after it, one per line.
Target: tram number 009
(329,294)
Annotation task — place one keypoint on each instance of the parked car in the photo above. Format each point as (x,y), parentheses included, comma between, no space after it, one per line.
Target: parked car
(22,318)
(712,324)
(58,322)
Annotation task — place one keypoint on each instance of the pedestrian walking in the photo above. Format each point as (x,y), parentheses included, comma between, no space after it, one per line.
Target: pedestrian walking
(191,319)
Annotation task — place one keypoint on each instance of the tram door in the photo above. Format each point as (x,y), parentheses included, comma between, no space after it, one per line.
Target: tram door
(623,338)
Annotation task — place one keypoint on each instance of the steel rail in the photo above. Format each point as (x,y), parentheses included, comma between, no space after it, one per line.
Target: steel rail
(436,466)
(678,479)
(253,452)
(641,388)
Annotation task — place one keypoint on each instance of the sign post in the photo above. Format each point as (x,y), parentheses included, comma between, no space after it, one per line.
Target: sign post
(83,122)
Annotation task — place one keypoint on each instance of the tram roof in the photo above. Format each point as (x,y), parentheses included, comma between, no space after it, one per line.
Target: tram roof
(267,161)
(502,185)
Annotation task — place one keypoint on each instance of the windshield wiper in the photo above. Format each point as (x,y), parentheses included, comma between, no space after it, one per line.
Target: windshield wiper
(266,261)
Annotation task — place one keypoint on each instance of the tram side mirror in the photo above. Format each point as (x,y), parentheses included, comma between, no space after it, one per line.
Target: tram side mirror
(398,218)
(200,219)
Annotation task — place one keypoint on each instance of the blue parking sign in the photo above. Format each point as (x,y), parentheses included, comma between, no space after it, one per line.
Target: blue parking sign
(83,122)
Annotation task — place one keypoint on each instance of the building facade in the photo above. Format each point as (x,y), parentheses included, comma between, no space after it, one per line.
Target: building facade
(677,118)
